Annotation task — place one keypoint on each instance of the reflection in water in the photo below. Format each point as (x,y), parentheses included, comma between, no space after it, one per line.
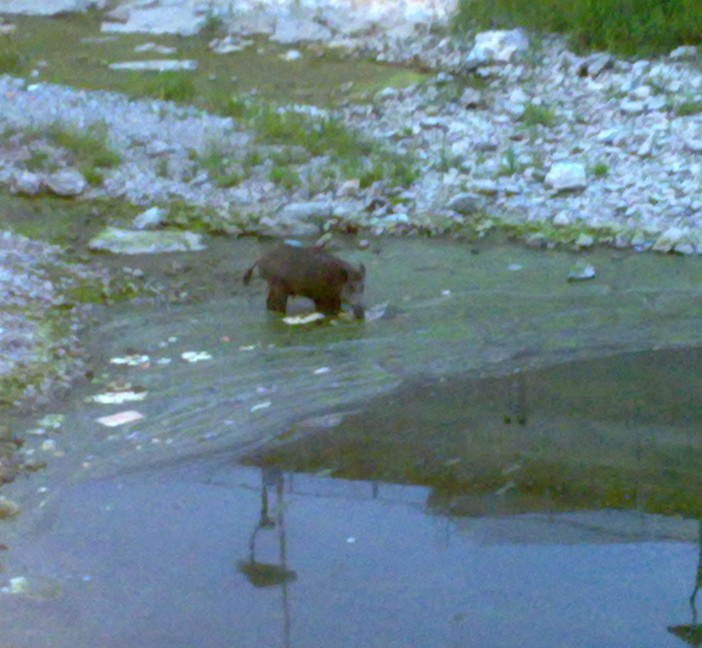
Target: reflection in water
(261,574)
(692,633)
(516,400)
(616,432)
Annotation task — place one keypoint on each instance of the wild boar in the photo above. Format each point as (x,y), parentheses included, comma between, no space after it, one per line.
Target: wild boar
(313,273)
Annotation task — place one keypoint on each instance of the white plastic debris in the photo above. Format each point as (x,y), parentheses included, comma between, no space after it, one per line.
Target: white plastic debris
(133,360)
(260,406)
(195,356)
(375,312)
(303,319)
(118,397)
(581,272)
(120,418)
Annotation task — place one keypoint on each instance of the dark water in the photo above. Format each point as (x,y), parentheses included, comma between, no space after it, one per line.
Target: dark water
(505,460)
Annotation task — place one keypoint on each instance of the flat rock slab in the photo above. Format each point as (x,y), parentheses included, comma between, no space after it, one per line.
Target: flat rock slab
(158,20)
(48,7)
(155,65)
(121,241)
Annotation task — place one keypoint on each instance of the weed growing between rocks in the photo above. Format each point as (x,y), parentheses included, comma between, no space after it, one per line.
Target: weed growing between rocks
(600,169)
(303,134)
(538,115)
(688,107)
(87,149)
(221,165)
(627,27)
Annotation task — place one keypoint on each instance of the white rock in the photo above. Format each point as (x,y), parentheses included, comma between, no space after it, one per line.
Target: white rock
(671,238)
(25,183)
(149,219)
(566,176)
(229,44)
(486,187)
(121,241)
(156,148)
(646,148)
(48,7)
(153,47)
(155,65)
(584,240)
(466,203)
(290,30)
(561,219)
(291,55)
(595,64)
(471,98)
(684,52)
(349,187)
(642,92)
(497,47)
(630,107)
(693,145)
(656,103)
(68,182)
(159,19)
(307,211)
(685,248)
(610,136)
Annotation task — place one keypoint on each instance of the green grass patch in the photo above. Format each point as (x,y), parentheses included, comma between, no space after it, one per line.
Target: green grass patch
(285,177)
(625,27)
(317,135)
(10,58)
(509,164)
(688,107)
(89,148)
(221,166)
(171,85)
(538,115)
(600,169)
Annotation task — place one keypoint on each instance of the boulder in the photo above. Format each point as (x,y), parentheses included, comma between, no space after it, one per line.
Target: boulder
(466,204)
(149,219)
(671,239)
(25,183)
(67,183)
(290,30)
(684,52)
(156,19)
(500,46)
(298,219)
(566,176)
(595,64)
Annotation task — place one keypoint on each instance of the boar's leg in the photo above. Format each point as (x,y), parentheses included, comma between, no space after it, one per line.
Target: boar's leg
(277,299)
(328,305)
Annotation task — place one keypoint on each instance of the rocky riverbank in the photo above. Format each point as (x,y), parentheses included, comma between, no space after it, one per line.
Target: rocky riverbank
(510,130)
(40,352)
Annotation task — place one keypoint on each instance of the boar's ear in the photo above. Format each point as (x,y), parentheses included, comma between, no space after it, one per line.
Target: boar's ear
(362,270)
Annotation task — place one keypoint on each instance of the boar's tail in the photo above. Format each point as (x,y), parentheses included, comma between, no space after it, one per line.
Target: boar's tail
(249,272)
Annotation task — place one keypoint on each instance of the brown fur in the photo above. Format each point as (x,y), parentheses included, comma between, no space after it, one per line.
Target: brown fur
(312,273)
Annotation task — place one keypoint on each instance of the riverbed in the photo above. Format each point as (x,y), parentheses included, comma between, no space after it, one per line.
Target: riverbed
(497,436)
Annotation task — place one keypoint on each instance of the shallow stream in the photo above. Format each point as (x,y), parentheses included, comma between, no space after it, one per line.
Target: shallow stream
(503,458)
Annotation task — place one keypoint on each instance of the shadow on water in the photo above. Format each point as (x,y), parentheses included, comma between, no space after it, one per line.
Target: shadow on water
(505,459)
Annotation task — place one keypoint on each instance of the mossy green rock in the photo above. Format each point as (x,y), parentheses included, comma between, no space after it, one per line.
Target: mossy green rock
(122,241)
